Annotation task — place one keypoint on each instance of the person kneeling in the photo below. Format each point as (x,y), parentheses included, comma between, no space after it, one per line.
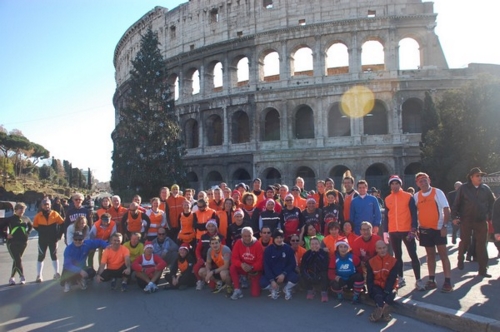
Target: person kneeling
(148,268)
(382,281)
(314,270)
(345,272)
(116,260)
(217,266)
(181,275)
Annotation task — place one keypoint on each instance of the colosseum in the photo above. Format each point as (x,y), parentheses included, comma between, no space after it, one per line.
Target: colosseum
(260,86)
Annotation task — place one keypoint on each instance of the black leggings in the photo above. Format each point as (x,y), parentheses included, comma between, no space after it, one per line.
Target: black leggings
(42,249)
(16,251)
(411,246)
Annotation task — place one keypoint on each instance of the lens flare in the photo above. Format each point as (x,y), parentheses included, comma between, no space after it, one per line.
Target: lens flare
(357,102)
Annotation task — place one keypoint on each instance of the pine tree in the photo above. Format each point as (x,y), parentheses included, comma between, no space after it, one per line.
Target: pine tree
(147,149)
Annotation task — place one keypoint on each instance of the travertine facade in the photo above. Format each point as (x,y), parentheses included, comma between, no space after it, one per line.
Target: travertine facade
(290,124)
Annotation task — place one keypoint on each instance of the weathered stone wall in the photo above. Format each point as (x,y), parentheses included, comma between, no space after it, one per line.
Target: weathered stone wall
(225,128)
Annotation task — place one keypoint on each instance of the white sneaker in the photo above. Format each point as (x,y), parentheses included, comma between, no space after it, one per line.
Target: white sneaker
(67,287)
(83,283)
(244,282)
(147,289)
(275,294)
(237,294)
(419,285)
(39,279)
(200,284)
(12,281)
(154,288)
(22,280)
(401,282)
(288,293)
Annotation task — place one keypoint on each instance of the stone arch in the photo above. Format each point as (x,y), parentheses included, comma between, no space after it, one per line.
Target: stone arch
(337,59)
(269,66)
(304,122)
(240,175)
(377,176)
(270,176)
(191,134)
(409,54)
(272,126)
(243,71)
(214,76)
(306,64)
(308,175)
(337,174)
(372,56)
(214,130)
(409,174)
(213,178)
(339,124)
(240,127)
(376,122)
(192,179)
(191,78)
(173,82)
(411,112)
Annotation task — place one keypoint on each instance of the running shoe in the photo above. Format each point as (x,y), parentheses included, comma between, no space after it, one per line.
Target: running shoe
(124,287)
(113,284)
(419,285)
(57,276)
(447,288)
(310,295)
(200,284)
(288,293)
(67,287)
(219,287)
(83,283)
(22,280)
(401,282)
(39,279)
(430,284)
(275,294)
(237,294)
(12,281)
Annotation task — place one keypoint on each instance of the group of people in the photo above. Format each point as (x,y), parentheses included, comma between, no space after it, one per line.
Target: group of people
(272,239)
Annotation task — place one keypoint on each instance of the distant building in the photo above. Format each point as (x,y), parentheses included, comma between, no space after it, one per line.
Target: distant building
(243,117)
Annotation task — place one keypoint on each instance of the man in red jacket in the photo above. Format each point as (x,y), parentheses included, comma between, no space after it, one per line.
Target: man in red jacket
(246,259)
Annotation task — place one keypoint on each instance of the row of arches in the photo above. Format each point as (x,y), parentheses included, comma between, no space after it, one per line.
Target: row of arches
(376,175)
(304,121)
(301,64)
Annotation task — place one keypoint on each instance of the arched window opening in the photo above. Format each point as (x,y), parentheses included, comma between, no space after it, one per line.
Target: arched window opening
(337,61)
(302,62)
(213,179)
(215,130)
(412,116)
(304,123)
(272,126)
(240,175)
(372,56)
(339,124)
(409,177)
(309,177)
(240,128)
(272,67)
(337,174)
(191,134)
(195,79)
(409,54)
(377,175)
(243,72)
(375,122)
(176,88)
(192,178)
(270,177)
(218,78)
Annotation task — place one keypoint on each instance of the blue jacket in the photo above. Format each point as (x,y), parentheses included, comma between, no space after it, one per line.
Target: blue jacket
(278,260)
(364,209)
(75,258)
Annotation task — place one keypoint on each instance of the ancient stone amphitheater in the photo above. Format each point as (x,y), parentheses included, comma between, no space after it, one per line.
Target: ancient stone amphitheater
(259,86)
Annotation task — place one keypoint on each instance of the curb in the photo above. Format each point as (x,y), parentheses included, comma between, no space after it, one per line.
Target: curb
(455,320)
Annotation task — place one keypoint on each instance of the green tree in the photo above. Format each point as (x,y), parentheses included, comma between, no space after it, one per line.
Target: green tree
(467,134)
(147,149)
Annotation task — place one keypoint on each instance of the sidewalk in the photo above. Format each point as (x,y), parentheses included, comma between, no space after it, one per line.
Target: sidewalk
(472,306)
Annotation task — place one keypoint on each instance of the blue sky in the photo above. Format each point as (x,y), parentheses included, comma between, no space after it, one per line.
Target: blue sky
(57,74)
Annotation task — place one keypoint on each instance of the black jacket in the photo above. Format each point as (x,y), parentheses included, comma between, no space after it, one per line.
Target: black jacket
(473,204)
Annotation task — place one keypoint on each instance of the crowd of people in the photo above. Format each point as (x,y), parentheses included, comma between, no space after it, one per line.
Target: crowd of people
(274,239)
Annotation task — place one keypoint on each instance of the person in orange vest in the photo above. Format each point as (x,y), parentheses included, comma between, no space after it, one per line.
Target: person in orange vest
(382,282)
(257,191)
(117,211)
(105,205)
(265,236)
(217,203)
(401,226)
(175,209)
(350,194)
(157,218)
(102,229)
(203,215)
(226,216)
(181,275)
(164,194)
(433,229)
(298,201)
(135,221)
(217,266)
(187,222)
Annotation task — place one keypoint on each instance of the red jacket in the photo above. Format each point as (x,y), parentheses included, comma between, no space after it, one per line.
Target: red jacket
(252,255)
